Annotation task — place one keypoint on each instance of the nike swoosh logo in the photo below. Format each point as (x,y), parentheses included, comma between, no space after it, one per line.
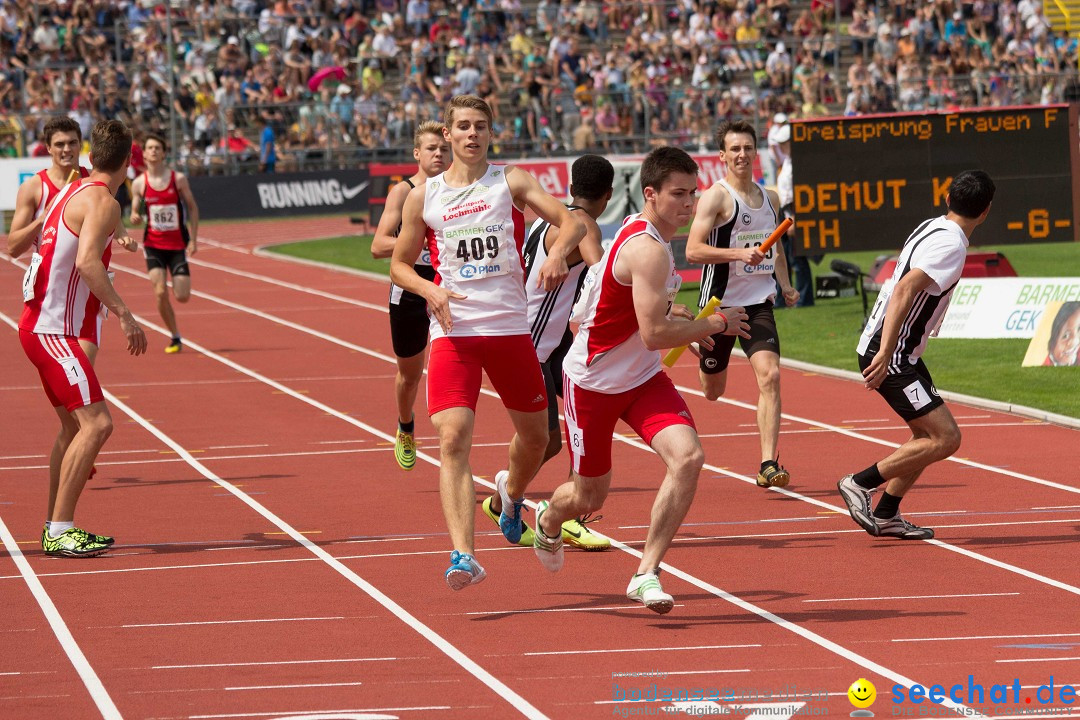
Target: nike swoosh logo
(572,534)
(352,192)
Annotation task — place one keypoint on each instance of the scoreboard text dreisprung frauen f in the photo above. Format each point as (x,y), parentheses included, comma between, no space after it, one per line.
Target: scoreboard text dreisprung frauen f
(864,183)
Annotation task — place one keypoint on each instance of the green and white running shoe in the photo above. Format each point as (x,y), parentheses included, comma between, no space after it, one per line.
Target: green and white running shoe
(405,450)
(73,542)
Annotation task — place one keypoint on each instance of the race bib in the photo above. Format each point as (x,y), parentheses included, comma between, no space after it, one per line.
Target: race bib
(746,240)
(475,256)
(590,286)
(30,278)
(575,437)
(72,370)
(425,256)
(165,217)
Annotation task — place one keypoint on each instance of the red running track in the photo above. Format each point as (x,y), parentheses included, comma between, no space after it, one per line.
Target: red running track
(273,562)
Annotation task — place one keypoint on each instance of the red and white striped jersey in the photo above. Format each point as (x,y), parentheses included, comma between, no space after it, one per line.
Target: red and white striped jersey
(48,192)
(608,354)
(475,236)
(57,301)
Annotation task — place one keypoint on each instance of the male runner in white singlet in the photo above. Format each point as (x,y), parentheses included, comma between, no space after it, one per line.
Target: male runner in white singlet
(733,218)
(472,221)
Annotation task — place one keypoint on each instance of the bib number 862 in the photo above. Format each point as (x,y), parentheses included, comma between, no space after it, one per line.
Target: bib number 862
(476,249)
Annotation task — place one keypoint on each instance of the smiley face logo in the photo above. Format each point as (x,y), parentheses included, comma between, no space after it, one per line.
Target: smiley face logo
(862,693)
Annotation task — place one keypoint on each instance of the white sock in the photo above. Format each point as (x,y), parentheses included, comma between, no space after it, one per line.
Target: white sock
(56,527)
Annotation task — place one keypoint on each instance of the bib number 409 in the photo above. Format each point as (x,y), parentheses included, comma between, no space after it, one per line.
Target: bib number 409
(476,249)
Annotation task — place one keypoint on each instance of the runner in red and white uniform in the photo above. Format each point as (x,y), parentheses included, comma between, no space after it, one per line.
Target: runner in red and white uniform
(408,311)
(171,233)
(473,222)
(63,290)
(613,372)
(63,138)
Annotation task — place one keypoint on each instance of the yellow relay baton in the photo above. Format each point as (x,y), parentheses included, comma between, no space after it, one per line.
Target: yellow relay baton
(674,353)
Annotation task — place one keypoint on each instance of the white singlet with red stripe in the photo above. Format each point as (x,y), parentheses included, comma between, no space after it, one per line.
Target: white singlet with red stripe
(475,235)
(608,354)
(48,192)
(62,304)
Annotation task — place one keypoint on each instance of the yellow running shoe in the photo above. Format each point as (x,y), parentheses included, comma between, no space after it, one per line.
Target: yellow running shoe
(575,533)
(526,531)
(405,450)
(773,475)
(173,347)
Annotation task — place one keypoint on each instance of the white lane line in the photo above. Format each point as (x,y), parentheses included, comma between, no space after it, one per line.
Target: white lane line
(1032,660)
(292,286)
(520,704)
(553,610)
(228,622)
(707,672)
(345,714)
(98,693)
(284,687)
(321,661)
(237,447)
(1056,507)
(986,637)
(886,443)
(249,456)
(645,649)
(909,597)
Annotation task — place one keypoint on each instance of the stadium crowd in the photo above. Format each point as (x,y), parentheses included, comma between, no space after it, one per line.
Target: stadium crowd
(315,76)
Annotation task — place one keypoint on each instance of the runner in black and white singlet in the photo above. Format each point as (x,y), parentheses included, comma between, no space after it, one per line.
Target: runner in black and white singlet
(408,311)
(471,218)
(907,312)
(734,217)
(591,178)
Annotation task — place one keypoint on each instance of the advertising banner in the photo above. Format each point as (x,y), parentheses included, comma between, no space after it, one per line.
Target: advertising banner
(1004,307)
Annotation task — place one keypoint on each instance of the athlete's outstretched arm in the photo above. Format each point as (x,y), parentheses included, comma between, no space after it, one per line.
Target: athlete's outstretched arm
(24,226)
(406,249)
(183,188)
(645,263)
(100,217)
(138,190)
(382,245)
(525,189)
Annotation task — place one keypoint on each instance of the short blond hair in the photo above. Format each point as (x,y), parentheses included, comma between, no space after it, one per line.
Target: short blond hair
(428,127)
(471,102)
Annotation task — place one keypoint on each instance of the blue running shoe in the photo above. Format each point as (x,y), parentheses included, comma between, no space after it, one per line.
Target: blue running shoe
(463,571)
(511,525)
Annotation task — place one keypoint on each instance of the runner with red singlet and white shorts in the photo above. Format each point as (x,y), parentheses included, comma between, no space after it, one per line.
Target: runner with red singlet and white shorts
(613,372)
(63,290)
(472,221)
(172,230)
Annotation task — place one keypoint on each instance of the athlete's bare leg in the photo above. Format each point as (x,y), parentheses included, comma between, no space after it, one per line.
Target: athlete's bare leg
(455,428)
(766,367)
(574,498)
(678,446)
(410,370)
(68,428)
(713,385)
(161,292)
(181,288)
(934,436)
(526,449)
(94,427)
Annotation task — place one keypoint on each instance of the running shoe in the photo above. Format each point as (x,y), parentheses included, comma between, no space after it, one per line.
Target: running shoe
(526,531)
(576,534)
(405,450)
(549,550)
(73,542)
(463,571)
(102,539)
(645,589)
(772,475)
(859,503)
(173,347)
(510,521)
(898,527)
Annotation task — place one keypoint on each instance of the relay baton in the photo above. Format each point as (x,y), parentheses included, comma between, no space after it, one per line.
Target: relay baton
(709,309)
(776,235)
(72,176)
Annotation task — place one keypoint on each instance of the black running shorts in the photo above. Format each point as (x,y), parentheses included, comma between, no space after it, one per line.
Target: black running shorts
(409,318)
(763,336)
(911,392)
(174,261)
